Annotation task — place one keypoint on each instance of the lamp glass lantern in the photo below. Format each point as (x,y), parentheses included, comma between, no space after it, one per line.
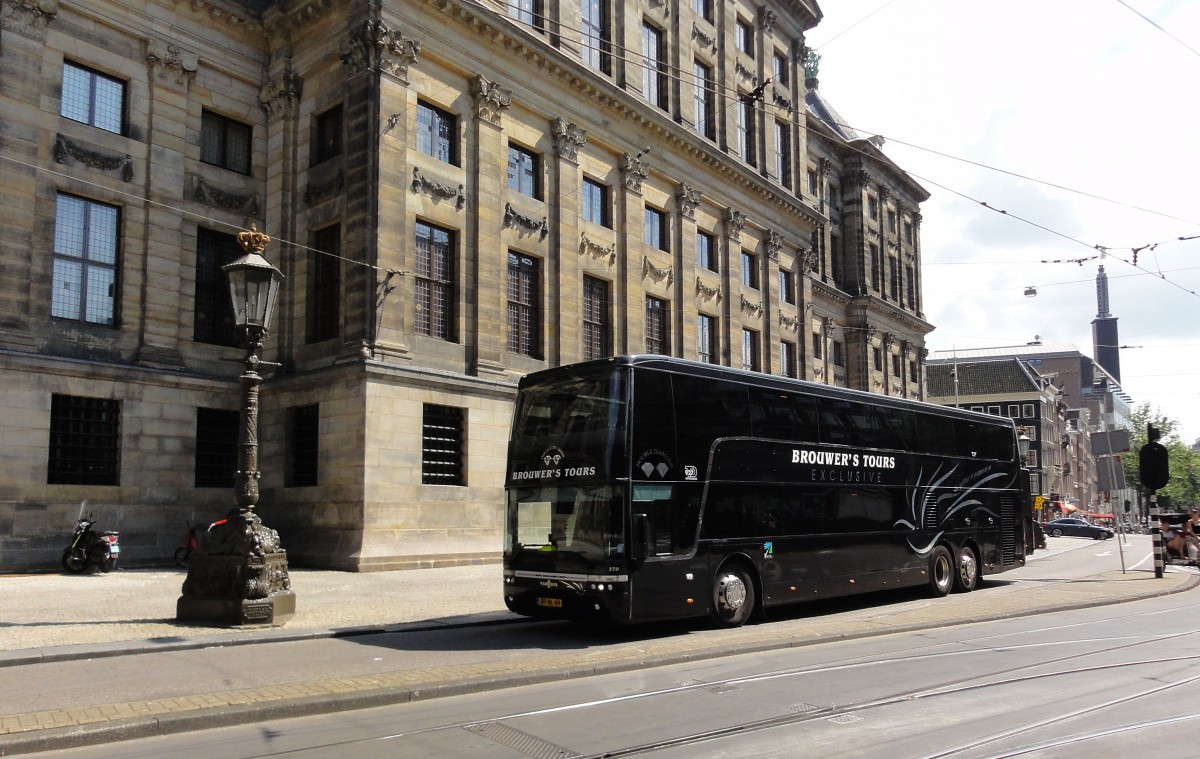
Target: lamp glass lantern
(1023,443)
(253,287)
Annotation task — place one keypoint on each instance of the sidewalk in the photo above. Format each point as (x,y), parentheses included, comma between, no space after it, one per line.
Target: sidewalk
(49,621)
(48,617)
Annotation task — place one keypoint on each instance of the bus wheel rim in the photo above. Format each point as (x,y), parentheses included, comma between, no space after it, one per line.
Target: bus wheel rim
(732,592)
(941,572)
(968,567)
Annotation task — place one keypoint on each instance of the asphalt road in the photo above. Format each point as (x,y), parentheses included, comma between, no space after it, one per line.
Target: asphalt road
(1095,681)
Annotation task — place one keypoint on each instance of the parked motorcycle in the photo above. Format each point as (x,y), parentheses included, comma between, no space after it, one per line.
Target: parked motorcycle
(91,548)
(191,541)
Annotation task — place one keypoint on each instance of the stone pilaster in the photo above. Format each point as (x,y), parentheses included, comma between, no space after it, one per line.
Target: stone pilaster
(485,269)
(279,98)
(563,275)
(629,333)
(171,70)
(687,200)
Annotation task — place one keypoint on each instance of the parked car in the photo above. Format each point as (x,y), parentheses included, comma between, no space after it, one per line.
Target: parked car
(1076,528)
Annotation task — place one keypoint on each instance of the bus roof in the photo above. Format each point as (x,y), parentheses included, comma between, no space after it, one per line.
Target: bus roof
(716,371)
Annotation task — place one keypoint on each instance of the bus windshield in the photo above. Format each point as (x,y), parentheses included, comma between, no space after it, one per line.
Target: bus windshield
(579,524)
(568,406)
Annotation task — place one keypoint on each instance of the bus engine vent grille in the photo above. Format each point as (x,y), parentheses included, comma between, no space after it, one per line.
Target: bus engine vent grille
(930,516)
(1008,531)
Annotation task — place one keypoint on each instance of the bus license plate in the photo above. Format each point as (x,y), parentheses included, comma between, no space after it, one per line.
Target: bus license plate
(552,602)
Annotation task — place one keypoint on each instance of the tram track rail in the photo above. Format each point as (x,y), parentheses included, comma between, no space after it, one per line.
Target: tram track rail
(799,713)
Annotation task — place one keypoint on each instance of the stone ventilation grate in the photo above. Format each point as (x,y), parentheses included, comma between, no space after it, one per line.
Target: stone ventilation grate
(524,743)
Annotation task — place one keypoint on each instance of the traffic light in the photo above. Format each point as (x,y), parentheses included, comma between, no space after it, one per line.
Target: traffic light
(1153,468)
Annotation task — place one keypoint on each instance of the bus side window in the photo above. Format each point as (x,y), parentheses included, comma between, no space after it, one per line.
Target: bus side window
(708,410)
(654,421)
(671,523)
(935,435)
(984,441)
(781,415)
(729,512)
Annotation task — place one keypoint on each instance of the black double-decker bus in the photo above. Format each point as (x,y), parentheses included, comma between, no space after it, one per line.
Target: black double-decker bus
(645,487)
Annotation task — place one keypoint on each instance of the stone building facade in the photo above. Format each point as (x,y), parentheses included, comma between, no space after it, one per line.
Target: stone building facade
(458,193)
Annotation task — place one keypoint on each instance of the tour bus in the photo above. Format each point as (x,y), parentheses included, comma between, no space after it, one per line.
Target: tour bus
(647,487)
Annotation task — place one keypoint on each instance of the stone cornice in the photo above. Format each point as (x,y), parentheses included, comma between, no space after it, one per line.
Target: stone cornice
(492,28)
(828,292)
(883,310)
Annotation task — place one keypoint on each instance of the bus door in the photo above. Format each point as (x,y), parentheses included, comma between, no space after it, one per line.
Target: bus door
(664,505)
(668,582)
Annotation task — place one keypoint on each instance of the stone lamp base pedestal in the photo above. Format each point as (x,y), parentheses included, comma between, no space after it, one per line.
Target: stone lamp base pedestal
(238,576)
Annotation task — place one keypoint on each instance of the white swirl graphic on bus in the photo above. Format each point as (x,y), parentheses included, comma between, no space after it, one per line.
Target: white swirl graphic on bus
(930,509)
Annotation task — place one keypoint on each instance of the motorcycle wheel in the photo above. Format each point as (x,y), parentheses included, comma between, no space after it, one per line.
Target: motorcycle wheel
(181,555)
(72,563)
(109,564)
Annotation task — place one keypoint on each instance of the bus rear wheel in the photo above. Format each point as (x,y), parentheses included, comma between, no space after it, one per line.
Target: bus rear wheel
(733,595)
(967,576)
(941,571)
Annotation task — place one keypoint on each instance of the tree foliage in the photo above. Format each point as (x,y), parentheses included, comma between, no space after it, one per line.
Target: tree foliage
(1183,490)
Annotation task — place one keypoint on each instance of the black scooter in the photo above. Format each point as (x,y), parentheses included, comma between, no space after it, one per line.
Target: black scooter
(90,548)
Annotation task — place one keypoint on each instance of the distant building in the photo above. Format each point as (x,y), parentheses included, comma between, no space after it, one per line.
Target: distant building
(1085,387)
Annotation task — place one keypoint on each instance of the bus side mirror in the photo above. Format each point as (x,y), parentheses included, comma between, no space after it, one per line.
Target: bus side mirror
(640,540)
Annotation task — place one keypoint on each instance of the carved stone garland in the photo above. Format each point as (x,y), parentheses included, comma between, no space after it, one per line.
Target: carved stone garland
(588,246)
(655,273)
(705,292)
(209,195)
(704,39)
(438,190)
(754,309)
(525,224)
(65,149)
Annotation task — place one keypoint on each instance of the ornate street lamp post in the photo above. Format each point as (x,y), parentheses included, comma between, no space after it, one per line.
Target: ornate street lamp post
(239,574)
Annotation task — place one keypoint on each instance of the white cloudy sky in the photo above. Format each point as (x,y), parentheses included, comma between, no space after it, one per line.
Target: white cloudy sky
(1083,94)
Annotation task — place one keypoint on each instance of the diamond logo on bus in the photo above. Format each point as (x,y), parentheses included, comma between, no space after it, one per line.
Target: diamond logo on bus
(552,456)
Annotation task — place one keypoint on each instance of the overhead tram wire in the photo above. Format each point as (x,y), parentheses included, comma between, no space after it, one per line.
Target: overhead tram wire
(1156,25)
(856,23)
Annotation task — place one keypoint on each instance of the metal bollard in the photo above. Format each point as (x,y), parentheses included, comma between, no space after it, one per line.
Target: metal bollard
(1156,534)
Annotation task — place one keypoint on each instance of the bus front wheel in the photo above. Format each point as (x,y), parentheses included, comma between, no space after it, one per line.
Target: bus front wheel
(941,571)
(967,576)
(733,595)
